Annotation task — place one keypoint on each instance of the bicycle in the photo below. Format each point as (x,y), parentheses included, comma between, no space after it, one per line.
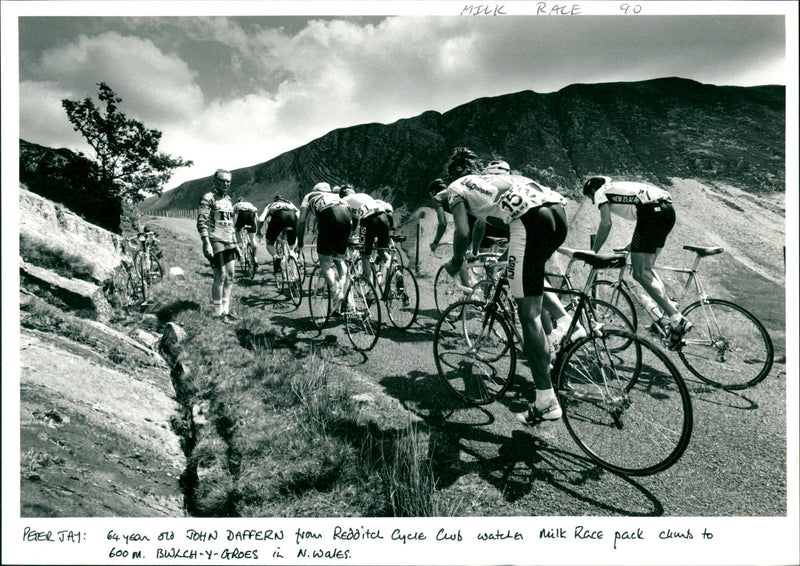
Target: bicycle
(485,265)
(359,307)
(145,262)
(400,292)
(627,408)
(247,255)
(728,347)
(289,275)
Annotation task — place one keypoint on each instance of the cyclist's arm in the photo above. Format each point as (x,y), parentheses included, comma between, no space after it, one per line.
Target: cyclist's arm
(203,215)
(604,228)
(441,227)
(478,232)
(301,226)
(461,237)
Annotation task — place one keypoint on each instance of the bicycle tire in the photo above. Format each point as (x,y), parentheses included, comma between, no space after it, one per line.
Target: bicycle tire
(730,348)
(250,265)
(445,292)
(294,287)
(156,271)
(474,352)
(628,410)
(362,314)
(319,299)
(615,294)
(611,318)
(401,298)
(313,250)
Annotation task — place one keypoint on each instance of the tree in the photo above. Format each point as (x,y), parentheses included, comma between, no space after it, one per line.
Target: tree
(126,152)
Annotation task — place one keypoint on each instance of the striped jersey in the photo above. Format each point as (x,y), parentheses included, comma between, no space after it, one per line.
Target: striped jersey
(500,197)
(318,201)
(215,218)
(624,196)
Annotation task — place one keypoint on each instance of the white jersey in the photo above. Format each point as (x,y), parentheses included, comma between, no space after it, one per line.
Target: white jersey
(273,207)
(318,201)
(384,206)
(361,205)
(500,197)
(624,196)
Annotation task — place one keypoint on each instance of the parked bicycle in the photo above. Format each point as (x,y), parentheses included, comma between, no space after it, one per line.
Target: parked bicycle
(400,291)
(290,275)
(728,346)
(627,408)
(146,264)
(359,307)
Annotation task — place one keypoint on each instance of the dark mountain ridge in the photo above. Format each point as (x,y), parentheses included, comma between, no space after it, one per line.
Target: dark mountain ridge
(651,130)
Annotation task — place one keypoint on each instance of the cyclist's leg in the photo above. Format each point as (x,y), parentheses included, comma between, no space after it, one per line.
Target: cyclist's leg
(654,222)
(533,239)
(217,283)
(228,272)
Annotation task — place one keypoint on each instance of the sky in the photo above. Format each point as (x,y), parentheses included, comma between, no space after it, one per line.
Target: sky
(233,91)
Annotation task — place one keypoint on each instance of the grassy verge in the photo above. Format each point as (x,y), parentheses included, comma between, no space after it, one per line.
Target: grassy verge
(270,430)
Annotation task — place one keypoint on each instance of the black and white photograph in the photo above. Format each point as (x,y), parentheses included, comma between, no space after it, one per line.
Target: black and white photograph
(400,283)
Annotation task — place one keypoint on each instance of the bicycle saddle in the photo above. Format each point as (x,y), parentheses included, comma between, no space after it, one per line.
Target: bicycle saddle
(704,251)
(398,238)
(601,261)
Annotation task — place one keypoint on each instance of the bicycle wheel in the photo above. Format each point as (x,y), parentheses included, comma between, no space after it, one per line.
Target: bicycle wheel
(293,284)
(474,352)
(402,297)
(362,314)
(319,299)
(727,346)
(628,410)
(249,264)
(313,250)
(611,318)
(119,290)
(445,292)
(613,293)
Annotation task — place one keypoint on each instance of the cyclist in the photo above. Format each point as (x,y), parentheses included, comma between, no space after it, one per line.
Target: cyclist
(538,225)
(245,224)
(333,230)
(279,215)
(550,302)
(372,225)
(651,208)
(215,225)
(388,209)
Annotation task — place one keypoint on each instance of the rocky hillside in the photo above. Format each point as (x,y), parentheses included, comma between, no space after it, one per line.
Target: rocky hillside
(653,130)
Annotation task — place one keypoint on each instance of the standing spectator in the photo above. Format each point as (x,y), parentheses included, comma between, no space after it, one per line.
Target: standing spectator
(215,225)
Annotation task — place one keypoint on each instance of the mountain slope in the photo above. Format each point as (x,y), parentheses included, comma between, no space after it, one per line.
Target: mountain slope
(651,130)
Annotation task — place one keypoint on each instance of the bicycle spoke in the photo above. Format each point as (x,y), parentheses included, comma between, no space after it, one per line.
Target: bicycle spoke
(628,409)
(474,354)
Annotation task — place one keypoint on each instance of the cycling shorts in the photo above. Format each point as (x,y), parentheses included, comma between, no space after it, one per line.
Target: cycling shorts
(246,219)
(333,230)
(278,222)
(375,227)
(535,236)
(654,221)
(220,258)
(491,232)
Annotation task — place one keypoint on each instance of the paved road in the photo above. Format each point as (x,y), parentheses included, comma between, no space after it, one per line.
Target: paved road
(734,466)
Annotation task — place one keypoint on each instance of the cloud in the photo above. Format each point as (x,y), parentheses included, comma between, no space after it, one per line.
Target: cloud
(154,86)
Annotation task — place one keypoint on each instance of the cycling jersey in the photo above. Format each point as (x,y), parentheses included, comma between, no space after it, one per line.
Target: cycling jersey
(215,219)
(498,199)
(361,205)
(440,199)
(244,214)
(384,206)
(243,205)
(275,207)
(317,201)
(624,197)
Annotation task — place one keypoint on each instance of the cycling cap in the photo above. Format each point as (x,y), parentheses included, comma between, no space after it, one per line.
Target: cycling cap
(437,186)
(278,197)
(461,162)
(322,187)
(497,168)
(594,183)
(346,190)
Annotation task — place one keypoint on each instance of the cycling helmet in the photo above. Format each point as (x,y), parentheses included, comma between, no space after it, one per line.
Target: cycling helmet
(462,162)
(322,187)
(437,186)
(497,168)
(594,183)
